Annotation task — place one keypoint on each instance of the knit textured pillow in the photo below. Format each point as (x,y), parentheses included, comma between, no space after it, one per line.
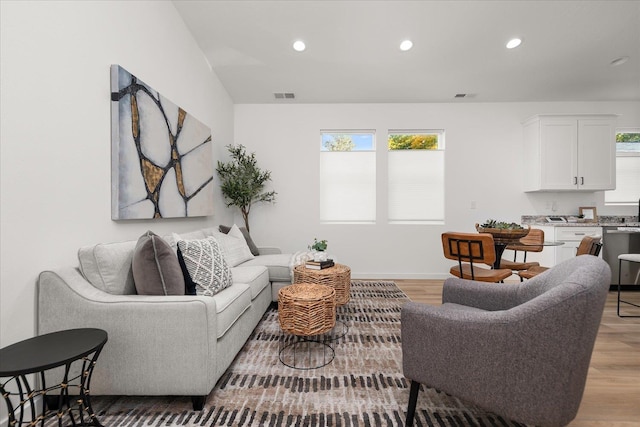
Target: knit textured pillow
(205,269)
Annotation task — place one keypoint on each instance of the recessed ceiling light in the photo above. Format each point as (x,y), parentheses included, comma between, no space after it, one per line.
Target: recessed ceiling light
(299,45)
(406,45)
(513,43)
(619,61)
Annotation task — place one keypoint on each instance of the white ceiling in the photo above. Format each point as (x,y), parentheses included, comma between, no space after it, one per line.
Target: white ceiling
(352,50)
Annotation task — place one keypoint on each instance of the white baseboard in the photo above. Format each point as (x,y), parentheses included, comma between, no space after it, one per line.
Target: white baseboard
(427,276)
(388,276)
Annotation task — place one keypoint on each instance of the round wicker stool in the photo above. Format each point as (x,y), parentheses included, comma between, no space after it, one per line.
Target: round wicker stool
(338,277)
(306,310)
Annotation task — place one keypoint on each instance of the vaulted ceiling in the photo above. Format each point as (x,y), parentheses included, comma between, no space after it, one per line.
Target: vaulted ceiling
(352,50)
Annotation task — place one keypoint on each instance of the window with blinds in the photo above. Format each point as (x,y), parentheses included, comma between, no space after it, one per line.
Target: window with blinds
(347,177)
(416,176)
(627,169)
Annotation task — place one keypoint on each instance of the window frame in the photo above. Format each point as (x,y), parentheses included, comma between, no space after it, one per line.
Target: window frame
(622,154)
(369,152)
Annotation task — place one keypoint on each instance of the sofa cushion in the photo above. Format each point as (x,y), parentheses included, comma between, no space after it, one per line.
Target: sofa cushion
(155,266)
(204,266)
(257,277)
(247,237)
(230,304)
(107,266)
(278,265)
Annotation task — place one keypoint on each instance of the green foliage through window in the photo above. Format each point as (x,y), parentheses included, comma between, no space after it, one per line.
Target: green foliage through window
(413,141)
(627,137)
(339,143)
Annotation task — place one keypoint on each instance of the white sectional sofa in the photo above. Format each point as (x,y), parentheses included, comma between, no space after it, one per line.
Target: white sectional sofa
(158,344)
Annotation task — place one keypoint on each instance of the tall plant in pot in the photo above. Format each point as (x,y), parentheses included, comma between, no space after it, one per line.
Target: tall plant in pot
(242,182)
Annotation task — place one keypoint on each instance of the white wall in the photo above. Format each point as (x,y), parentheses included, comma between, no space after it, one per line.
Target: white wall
(55,130)
(483,165)
(55,149)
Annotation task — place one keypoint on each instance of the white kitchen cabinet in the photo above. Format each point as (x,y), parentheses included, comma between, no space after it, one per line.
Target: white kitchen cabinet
(570,236)
(568,152)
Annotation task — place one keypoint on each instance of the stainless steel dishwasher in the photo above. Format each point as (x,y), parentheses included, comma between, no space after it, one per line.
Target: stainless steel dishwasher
(621,240)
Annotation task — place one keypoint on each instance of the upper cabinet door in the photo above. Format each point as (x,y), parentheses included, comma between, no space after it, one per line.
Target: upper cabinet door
(559,150)
(596,154)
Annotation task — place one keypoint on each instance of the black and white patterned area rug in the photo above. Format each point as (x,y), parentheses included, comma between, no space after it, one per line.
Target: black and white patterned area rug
(362,386)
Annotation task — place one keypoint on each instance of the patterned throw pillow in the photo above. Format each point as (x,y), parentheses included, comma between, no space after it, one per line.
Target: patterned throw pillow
(205,269)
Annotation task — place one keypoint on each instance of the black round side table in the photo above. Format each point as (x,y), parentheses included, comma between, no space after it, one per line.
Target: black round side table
(49,351)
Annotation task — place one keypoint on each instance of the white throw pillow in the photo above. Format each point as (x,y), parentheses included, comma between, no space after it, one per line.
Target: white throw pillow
(235,248)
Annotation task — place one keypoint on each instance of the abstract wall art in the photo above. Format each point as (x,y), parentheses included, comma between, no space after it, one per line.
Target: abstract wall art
(161,156)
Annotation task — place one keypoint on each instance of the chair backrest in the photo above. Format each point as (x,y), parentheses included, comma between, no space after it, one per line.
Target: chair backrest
(589,245)
(469,247)
(560,275)
(535,236)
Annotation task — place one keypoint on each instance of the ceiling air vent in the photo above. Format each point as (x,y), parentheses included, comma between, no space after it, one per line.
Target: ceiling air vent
(284,95)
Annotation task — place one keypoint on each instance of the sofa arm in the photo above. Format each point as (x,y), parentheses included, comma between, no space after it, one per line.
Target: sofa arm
(157,345)
(483,295)
(269,250)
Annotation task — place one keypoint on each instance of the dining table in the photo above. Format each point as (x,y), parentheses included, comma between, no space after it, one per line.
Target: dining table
(505,237)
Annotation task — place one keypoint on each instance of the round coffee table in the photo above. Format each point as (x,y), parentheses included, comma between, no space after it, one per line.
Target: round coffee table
(305,311)
(68,348)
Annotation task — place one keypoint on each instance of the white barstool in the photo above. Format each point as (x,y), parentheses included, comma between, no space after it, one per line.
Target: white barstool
(627,258)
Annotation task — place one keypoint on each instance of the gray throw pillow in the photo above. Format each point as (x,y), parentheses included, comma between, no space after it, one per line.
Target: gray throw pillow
(155,266)
(206,269)
(247,237)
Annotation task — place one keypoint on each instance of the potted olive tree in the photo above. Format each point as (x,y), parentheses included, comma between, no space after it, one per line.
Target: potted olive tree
(242,182)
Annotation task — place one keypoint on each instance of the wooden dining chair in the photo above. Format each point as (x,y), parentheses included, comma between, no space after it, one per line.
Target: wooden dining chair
(589,245)
(472,250)
(532,242)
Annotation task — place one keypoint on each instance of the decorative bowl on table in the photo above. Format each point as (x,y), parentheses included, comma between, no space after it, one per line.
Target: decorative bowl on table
(502,231)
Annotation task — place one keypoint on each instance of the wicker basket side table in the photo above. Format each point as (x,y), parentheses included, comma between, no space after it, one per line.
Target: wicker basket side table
(306,309)
(338,277)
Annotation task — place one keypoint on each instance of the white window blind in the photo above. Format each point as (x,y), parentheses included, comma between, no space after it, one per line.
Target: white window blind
(627,181)
(416,186)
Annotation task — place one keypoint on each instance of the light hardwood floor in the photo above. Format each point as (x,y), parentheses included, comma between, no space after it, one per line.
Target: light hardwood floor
(612,393)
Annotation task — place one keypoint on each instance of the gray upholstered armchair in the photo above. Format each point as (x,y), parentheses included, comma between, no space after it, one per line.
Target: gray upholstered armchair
(521,350)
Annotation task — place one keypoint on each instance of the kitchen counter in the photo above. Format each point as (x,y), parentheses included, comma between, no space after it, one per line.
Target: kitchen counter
(603,221)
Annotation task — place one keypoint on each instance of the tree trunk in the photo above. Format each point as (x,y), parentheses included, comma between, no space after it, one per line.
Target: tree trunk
(245,216)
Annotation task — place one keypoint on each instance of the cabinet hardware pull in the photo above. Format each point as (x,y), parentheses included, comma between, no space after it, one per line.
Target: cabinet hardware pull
(575,180)
(582,180)
(579,234)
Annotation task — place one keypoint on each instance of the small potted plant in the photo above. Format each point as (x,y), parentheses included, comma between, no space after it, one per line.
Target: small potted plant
(319,248)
